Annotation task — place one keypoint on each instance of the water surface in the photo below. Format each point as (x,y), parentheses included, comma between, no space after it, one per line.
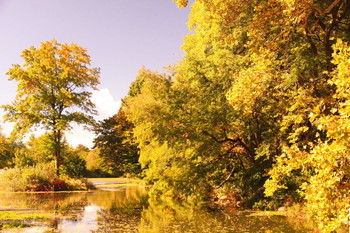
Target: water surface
(127,209)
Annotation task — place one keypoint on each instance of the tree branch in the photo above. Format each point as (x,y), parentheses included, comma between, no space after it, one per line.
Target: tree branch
(236,141)
(227,179)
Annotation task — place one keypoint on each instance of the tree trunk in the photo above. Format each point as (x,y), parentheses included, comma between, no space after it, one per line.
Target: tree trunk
(57,147)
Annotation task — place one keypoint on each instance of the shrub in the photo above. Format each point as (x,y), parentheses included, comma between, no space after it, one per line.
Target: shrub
(77,184)
(41,177)
(35,178)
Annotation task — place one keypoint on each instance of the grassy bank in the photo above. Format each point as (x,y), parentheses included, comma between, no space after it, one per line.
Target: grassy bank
(114,182)
(40,178)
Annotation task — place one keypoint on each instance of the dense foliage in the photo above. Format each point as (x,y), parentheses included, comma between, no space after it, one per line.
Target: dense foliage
(259,98)
(117,150)
(7,151)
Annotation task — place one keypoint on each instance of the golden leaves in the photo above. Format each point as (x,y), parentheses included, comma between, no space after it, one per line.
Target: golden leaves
(181,3)
(49,83)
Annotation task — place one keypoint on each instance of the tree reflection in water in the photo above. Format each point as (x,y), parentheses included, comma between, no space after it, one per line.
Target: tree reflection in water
(128,209)
(169,216)
(139,214)
(123,214)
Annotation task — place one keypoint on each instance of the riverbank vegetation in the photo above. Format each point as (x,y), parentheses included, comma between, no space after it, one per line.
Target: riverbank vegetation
(39,178)
(54,89)
(257,108)
(256,113)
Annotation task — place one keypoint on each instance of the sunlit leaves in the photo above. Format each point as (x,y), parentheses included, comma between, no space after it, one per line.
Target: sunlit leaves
(54,89)
(181,3)
(7,151)
(255,87)
(52,79)
(325,163)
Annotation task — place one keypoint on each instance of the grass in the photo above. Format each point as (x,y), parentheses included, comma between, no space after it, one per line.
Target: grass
(12,225)
(17,219)
(22,215)
(123,182)
(117,179)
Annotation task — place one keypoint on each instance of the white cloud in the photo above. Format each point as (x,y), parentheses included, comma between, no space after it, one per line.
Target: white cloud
(78,135)
(6,128)
(105,103)
(106,107)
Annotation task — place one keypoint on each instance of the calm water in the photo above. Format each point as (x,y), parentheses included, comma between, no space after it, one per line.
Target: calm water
(127,209)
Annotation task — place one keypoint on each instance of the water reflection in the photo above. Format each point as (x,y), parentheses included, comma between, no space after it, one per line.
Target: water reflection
(127,209)
(88,222)
(172,217)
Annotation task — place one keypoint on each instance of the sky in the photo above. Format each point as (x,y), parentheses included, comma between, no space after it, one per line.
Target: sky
(121,36)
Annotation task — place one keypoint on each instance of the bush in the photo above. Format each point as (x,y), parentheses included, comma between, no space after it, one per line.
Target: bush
(41,177)
(35,178)
(78,184)
(267,204)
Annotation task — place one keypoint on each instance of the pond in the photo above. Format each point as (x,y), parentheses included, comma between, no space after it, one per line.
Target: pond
(126,208)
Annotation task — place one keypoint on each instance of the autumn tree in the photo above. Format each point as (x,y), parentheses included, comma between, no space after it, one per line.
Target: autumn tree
(184,131)
(40,149)
(94,163)
(54,90)
(187,123)
(82,150)
(184,124)
(258,95)
(118,150)
(290,88)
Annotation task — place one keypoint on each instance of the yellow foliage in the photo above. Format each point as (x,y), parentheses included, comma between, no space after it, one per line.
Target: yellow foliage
(181,3)
(327,162)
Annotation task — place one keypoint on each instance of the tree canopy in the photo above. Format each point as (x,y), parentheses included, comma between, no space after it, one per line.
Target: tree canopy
(259,98)
(54,90)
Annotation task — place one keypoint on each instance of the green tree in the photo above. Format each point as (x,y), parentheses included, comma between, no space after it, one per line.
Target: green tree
(74,166)
(95,164)
(41,149)
(7,152)
(54,89)
(118,150)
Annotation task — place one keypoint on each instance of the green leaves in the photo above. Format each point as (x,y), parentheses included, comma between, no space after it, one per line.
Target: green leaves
(54,89)
(116,146)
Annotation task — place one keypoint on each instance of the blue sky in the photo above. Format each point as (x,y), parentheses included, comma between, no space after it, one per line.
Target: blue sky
(121,36)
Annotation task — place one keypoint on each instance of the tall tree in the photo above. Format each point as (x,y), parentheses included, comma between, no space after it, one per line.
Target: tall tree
(54,89)
(117,147)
